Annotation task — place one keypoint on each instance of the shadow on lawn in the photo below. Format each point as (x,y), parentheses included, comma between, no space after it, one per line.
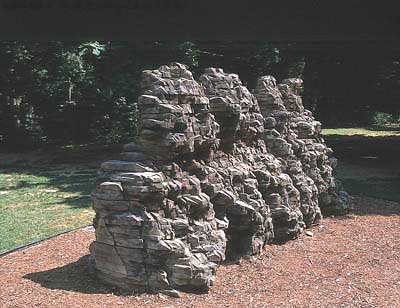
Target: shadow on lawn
(387,128)
(377,150)
(63,179)
(72,277)
(368,166)
(69,170)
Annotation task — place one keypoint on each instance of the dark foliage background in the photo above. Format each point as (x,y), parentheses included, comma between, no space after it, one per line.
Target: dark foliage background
(59,93)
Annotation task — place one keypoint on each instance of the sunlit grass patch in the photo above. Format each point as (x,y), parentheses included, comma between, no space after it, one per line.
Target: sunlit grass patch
(360,131)
(39,202)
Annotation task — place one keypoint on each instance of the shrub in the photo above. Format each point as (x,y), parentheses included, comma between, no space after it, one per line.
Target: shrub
(382,118)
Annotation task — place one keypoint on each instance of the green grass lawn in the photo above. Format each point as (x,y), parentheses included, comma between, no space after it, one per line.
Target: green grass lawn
(52,197)
(369,161)
(39,202)
(382,183)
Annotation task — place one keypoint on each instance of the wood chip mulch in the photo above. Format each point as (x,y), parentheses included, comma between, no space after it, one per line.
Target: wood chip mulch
(351,261)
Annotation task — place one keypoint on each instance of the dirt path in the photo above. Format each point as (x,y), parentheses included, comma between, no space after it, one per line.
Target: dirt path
(352,261)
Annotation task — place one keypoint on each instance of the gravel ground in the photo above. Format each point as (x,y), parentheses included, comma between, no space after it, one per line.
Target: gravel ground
(351,261)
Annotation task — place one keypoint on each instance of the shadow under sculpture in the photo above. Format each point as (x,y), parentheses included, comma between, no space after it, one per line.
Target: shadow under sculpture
(216,172)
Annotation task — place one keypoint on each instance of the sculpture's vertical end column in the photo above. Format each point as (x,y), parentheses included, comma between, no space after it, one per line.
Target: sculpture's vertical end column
(316,157)
(286,196)
(155,228)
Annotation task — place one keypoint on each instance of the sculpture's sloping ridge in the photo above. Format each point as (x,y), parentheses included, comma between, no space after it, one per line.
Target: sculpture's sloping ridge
(216,172)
